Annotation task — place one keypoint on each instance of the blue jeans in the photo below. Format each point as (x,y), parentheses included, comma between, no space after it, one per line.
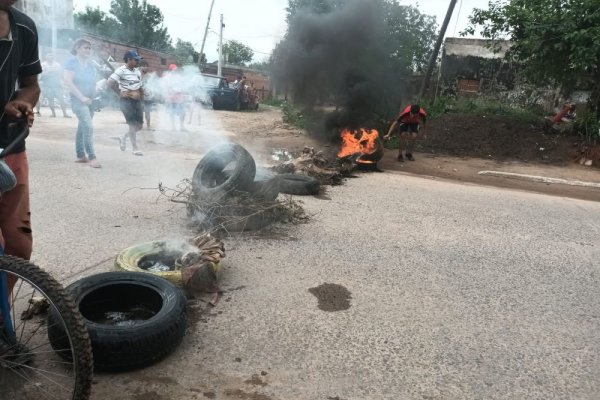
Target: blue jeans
(84,139)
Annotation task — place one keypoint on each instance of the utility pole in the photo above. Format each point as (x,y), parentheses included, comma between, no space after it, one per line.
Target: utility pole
(205,33)
(54,29)
(220,64)
(436,49)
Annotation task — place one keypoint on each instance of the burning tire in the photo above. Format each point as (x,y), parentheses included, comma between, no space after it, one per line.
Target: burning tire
(298,184)
(134,319)
(223,169)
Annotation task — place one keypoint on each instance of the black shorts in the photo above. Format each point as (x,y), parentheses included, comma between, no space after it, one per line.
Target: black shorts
(404,127)
(133,111)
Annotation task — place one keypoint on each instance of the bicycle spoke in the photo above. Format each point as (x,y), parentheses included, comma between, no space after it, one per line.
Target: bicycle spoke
(36,385)
(47,353)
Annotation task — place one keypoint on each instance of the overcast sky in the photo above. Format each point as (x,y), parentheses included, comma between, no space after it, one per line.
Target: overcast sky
(260,24)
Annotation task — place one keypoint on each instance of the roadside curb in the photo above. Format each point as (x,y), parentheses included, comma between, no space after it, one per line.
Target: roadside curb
(542,179)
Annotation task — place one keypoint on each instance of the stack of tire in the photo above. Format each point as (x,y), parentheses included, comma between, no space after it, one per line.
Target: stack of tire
(229,168)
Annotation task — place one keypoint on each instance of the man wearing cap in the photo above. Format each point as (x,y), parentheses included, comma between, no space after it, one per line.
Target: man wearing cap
(126,81)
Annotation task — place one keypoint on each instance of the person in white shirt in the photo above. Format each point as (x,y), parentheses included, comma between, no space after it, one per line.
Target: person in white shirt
(52,85)
(126,81)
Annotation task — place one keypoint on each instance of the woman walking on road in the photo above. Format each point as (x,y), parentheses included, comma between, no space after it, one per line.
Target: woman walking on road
(80,79)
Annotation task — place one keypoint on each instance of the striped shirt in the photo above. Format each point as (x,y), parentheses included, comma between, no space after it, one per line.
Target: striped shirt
(19,58)
(128,79)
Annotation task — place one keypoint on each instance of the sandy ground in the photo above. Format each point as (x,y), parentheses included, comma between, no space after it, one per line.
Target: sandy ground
(442,289)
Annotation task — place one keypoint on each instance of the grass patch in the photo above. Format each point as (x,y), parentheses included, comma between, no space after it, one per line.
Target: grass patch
(293,116)
(588,127)
(273,102)
(479,107)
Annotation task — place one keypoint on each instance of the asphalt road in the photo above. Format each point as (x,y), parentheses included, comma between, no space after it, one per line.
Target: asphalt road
(457,291)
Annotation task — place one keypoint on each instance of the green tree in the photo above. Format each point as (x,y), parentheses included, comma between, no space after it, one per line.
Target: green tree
(185,53)
(410,35)
(260,65)
(96,21)
(554,40)
(141,23)
(237,53)
(129,21)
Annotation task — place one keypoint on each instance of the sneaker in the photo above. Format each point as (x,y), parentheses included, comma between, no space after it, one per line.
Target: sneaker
(82,160)
(95,164)
(122,144)
(410,157)
(400,158)
(137,153)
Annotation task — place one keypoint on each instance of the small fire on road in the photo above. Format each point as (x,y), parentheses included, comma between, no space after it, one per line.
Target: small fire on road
(361,141)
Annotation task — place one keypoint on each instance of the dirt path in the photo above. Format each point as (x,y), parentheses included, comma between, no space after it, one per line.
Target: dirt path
(266,127)
(263,131)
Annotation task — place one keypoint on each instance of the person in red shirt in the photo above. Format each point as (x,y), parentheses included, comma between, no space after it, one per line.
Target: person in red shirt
(409,123)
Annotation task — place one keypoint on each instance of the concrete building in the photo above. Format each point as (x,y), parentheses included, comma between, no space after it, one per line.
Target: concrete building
(470,65)
(478,68)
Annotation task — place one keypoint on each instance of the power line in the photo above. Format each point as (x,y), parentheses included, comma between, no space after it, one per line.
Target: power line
(254,50)
(457,17)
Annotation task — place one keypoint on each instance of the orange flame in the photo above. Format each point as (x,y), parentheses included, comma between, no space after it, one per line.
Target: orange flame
(358,141)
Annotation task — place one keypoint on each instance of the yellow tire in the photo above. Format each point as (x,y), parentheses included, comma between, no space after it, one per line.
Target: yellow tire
(129,259)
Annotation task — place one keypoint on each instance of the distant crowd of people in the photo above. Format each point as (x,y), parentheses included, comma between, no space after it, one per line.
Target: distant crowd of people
(137,88)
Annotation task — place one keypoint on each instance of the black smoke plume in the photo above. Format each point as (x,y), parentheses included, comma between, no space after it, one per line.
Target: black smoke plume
(341,58)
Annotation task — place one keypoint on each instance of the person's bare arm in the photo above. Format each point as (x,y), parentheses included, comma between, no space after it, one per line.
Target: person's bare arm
(423,129)
(114,85)
(26,98)
(391,129)
(68,76)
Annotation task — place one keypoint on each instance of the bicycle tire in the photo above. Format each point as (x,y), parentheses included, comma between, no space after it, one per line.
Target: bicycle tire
(28,379)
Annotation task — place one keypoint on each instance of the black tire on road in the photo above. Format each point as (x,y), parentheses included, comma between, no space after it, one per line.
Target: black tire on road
(156,330)
(298,184)
(267,189)
(211,183)
(265,185)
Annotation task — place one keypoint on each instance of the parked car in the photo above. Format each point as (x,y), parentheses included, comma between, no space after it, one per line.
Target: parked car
(208,86)
(222,95)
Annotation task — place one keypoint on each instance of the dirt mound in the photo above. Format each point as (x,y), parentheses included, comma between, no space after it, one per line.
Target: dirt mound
(496,137)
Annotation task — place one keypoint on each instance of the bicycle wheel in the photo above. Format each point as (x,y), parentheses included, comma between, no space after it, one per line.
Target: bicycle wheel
(30,368)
